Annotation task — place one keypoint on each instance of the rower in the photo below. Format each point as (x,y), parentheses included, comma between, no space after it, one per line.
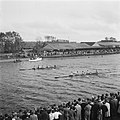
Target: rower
(96,72)
(54,66)
(83,73)
(75,73)
(48,66)
(39,67)
(33,68)
(71,74)
(42,67)
(88,73)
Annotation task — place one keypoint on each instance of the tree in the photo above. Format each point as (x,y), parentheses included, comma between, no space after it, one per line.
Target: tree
(113,39)
(50,38)
(2,42)
(2,36)
(106,38)
(12,40)
(17,42)
(39,45)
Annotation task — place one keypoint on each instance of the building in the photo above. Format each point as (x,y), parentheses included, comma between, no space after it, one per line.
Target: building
(2,44)
(64,46)
(27,48)
(80,49)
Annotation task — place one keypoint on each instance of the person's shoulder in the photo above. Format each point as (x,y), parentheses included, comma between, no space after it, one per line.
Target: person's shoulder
(13,118)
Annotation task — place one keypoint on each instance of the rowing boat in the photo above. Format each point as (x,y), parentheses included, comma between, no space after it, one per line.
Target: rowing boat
(35,60)
(73,75)
(17,60)
(40,68)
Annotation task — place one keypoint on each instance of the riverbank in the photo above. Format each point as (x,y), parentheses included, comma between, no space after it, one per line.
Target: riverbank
(13,60)
(45,57)
(81,52)
(77,55)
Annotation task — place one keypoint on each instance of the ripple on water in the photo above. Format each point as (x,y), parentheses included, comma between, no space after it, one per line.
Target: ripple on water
(28,88)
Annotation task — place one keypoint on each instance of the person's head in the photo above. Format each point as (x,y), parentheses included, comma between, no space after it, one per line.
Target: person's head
(111,94)
(6,115)
(76,103)
(20,111)
(15,114)
(116,95)
(106,99)
(31,112)
(106,95)
(104,102)
(79,99)
(88,101)
(25,112)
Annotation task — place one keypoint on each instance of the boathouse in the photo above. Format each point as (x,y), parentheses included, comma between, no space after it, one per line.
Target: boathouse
(80,49)
(65,46)
(27,48)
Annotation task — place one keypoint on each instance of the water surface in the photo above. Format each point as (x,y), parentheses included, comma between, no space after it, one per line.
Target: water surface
(34,88)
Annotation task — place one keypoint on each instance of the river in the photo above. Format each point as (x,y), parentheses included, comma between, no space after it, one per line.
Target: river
(34,88)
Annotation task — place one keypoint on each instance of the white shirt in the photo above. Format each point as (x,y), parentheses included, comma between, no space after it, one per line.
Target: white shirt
(56,115)
(51,116)
(107,114)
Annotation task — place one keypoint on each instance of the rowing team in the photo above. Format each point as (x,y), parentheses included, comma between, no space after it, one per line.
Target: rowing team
(84,73)
(47,67)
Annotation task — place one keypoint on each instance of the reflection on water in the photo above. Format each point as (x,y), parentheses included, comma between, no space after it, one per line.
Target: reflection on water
(33,88)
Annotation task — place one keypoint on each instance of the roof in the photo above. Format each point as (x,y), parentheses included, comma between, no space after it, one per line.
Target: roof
(63,46)
(109,43)
(96,44)
(27,50)
(89,43)
(28,45)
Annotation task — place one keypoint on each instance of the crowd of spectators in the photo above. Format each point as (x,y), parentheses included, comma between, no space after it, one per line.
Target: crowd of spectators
(102,107)
(82,52)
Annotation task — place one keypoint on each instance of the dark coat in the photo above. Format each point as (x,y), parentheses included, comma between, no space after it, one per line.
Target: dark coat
(113,107)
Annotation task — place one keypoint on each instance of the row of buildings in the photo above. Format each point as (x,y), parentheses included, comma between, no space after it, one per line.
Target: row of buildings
(65,48)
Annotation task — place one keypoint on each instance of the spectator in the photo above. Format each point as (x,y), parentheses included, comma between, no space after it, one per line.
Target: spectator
(56,114)
(87,110)
(33,116)
(51,114)
(95,111)
(113,107)
(107,114)
(104,110)
(78,111)
(44,114)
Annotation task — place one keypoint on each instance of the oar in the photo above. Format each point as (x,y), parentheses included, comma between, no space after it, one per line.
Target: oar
(62,76)
(25,69)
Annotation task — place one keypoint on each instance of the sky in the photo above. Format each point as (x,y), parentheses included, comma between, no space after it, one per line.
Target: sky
(76,20)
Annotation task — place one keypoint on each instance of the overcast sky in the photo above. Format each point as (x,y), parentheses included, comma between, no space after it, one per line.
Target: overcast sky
(74,20)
